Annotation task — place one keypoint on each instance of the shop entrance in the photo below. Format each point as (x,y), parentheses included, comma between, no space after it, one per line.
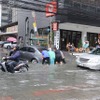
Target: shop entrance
(92,38)
(69,36)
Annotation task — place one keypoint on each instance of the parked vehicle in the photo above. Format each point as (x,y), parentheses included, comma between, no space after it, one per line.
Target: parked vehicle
(9,45)
(22,66)
(31,53)
(89,60)
(2,43)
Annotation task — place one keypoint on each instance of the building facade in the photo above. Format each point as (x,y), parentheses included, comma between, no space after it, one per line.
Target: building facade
(28,24)
(79,21)
(6,15)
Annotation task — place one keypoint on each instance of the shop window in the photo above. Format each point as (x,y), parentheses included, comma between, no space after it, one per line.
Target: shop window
(92,38)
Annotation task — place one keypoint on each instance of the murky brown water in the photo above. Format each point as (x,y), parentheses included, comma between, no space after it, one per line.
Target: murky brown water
(59,82)
(65,82)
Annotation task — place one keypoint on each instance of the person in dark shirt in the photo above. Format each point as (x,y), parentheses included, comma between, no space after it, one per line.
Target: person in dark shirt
(58,59)
(14,59)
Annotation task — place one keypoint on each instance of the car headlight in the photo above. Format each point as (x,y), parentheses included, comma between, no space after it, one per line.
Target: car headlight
(94,61)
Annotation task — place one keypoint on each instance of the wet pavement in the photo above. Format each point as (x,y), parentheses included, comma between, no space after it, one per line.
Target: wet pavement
(58,82)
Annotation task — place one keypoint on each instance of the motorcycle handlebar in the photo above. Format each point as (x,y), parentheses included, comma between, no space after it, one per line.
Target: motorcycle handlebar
(4,58)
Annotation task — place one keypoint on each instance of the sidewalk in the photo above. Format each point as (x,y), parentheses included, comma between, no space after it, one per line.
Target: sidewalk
(76,54)
(72,53)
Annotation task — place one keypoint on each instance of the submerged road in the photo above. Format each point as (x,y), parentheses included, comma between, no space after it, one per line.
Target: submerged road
(58,82)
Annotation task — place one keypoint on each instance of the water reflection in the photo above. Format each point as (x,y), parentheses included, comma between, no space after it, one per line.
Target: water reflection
(92,78)
(57,82)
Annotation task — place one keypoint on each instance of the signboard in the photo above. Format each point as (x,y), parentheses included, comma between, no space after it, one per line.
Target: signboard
(34,23)
(35,27)
(12,29)
(55,26)
(51,9)
(57,39)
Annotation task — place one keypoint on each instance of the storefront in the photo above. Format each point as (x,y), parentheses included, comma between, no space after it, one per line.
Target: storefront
(76,33)
(92,38)
(69,36)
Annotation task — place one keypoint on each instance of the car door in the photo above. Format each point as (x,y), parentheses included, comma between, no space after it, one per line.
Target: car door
(30,53)
(23,51)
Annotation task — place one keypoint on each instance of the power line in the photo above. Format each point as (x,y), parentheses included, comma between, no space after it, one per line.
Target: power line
(39,7)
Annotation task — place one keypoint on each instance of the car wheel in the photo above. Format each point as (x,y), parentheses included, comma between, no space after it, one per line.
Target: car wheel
(34,61)
(8,47)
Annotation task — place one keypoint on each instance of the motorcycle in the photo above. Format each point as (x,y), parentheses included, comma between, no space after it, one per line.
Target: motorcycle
(22,66)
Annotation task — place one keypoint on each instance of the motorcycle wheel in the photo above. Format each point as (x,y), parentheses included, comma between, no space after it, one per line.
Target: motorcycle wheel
(23,69)
(1,67)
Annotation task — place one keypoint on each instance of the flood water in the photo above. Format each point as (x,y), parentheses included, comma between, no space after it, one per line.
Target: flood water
(58,82)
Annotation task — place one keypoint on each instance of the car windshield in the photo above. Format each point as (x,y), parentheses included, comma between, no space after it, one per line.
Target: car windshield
(96,51)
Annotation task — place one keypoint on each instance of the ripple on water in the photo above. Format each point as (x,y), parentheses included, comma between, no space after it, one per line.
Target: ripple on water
(23,81)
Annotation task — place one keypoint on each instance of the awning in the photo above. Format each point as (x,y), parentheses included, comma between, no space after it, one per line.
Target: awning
(11,39)
(8,33)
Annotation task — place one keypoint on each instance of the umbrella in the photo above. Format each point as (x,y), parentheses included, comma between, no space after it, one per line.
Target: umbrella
(11,39)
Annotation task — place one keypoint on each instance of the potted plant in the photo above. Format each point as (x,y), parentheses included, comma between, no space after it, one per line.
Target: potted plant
(80,49)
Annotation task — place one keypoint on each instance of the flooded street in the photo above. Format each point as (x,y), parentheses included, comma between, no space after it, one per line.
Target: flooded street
(58,82)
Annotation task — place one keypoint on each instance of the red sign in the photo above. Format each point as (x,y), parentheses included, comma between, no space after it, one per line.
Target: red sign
(51,8)
(55,26)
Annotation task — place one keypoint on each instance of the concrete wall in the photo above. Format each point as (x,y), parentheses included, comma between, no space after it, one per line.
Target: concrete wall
(41,21)
(79,27)
(22,15)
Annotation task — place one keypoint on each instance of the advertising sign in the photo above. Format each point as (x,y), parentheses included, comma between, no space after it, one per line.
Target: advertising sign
(35,27)
(34,23)
(51,9)
(55,26)
(57,39)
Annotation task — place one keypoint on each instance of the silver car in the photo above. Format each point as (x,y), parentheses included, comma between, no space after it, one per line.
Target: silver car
(9,45)
(31,53)
(89,60)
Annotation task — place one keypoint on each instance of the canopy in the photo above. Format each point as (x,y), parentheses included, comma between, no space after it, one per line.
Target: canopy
(11,39)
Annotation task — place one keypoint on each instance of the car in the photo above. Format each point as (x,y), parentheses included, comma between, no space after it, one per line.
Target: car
(89,60)
(9,45)
(31,53)
(1,43)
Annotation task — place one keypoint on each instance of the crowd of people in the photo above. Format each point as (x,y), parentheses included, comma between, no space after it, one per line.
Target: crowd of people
(50,56)
(84,48)
(70,47)
(53,56)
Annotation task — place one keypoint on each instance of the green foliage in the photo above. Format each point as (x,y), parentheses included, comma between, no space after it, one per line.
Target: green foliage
(44,44)
(80,43)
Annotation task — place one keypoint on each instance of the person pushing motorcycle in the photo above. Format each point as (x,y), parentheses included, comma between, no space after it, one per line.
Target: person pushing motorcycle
(14,59)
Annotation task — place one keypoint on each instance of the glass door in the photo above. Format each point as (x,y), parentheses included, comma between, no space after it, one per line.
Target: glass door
(92,38)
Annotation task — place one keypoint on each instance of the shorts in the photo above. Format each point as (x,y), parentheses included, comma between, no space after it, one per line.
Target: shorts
(58,59)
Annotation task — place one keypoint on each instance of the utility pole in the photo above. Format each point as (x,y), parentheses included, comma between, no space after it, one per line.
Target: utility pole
(51,10)
(50,35)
